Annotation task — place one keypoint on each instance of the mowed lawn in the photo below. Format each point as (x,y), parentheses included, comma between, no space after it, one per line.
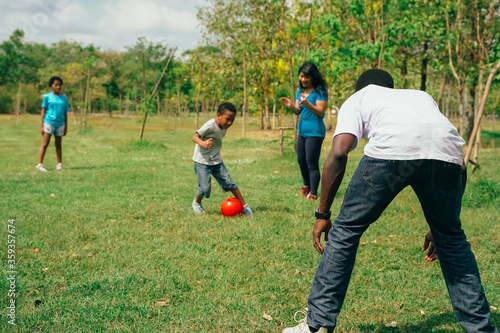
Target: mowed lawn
(111,243)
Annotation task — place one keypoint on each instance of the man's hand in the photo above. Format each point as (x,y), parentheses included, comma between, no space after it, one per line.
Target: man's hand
(207,144)
(321,226)
(429,246)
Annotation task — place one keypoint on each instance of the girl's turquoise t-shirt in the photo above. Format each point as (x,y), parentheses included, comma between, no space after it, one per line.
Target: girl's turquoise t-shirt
(310,125)
(56,107)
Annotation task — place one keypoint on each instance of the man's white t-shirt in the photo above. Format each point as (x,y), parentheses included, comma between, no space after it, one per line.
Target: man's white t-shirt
(209,156)
(400,124)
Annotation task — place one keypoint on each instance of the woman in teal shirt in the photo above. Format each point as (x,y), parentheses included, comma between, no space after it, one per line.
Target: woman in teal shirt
(310,102)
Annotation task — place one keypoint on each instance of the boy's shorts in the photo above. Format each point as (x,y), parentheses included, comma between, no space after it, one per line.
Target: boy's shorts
(220,174)
(53,129)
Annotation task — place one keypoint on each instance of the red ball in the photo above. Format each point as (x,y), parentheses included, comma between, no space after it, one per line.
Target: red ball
(231,207)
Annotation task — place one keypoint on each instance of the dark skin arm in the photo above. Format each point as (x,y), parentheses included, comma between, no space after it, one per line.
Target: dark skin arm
(431,254)
(65,123)
(205,144)
(333,173)
(44,110)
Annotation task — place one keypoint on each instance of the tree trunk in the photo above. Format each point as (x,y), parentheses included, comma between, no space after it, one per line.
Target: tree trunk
(143,78)
(158,105)
(441,91)
(198,98)
(423,70)
(167,101)
(274,114)
(266,92)
(120,106)
(127,103)
(178,101)
(470,114)
(83,121)
(243,109)
(381,52)
(18,103)
(306,41)
(262,110)
(448,97)
(404,69)
(461,113)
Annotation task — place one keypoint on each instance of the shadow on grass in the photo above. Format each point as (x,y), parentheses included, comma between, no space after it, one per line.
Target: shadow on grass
(90,167)
(430,325)
(275,209)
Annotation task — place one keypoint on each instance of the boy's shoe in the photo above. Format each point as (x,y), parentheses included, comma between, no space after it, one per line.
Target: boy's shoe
(247,211)
(311,197)
(59,166)
(40,167)
(305,191)
(198,209)
(302,327)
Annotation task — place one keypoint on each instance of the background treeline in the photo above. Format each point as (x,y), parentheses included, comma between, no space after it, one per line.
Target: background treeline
(251,52)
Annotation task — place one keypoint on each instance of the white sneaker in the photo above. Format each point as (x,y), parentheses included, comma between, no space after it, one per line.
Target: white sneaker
(59,167)
(302,327)
(197,207)
(40,167)
(247,211)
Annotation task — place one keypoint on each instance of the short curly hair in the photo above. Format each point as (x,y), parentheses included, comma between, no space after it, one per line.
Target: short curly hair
(226,106)
(54,78)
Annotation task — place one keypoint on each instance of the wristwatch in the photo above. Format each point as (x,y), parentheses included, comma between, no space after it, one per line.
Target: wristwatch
(322,216)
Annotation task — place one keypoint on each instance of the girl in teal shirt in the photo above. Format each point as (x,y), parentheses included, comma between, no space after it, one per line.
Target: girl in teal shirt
(54,121)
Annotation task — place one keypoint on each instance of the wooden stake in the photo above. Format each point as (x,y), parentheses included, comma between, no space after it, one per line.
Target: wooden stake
(477,121)
(154,92)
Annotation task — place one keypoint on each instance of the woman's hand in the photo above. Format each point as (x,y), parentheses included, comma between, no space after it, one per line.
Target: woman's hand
(286,101)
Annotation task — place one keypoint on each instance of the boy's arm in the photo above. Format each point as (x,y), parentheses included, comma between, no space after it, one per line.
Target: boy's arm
(205,144)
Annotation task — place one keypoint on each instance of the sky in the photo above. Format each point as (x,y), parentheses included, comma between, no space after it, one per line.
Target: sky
(109,24)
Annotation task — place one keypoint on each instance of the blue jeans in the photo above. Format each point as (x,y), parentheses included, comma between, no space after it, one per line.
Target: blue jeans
(219,171)
(373,186)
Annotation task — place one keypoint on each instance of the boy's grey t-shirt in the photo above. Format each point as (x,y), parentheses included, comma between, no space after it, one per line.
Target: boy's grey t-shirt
(209,156)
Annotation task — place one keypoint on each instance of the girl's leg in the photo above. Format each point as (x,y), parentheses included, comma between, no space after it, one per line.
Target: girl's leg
(59,148)
(313,151)
(301,158)
(43,147)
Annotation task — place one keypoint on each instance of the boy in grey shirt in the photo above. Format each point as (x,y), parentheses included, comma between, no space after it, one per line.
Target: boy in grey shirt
(207,159)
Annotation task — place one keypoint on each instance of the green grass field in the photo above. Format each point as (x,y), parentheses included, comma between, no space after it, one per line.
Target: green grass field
(111,243)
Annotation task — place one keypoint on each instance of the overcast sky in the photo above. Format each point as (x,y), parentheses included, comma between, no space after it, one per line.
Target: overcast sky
(109,24)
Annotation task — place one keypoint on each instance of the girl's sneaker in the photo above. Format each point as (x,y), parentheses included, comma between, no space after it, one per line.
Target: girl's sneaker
(305,191)
(59,167)
(40,167)
(311,197)
(198,209)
